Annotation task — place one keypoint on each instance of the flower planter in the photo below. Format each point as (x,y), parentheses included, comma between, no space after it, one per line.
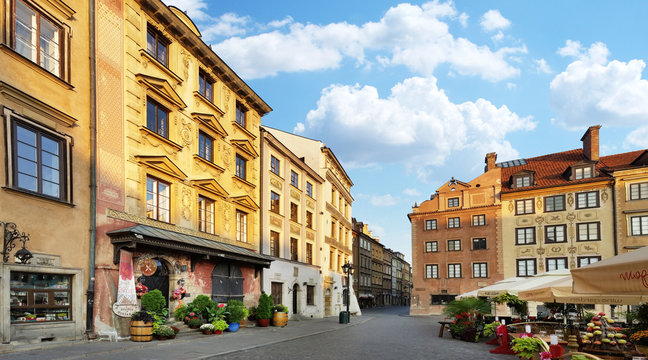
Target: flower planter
(263,322)
(162,338)
(233,327)
(280,319)
(141,331)
(218,332)
(207,332)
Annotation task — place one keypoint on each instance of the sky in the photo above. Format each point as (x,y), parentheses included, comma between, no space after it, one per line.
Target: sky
(410,94)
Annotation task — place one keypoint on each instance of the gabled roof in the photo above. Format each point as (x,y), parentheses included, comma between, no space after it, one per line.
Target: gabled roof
(550,169)
(163,164)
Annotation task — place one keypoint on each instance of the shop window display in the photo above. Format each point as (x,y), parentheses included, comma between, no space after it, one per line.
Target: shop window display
(40,297)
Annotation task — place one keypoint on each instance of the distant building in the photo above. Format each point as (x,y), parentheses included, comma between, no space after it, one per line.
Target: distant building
(362,285)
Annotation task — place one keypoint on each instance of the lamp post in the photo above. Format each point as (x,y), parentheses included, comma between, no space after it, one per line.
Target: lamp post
(345,315)
(11,234)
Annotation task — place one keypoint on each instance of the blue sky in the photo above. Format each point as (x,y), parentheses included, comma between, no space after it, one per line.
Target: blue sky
(410,94)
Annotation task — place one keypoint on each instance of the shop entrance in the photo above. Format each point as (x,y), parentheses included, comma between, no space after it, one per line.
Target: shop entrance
(295,298)
(159,280)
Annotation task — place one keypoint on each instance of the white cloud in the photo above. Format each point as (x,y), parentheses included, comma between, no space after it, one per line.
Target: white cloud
(571,48)
(493,20)
(498,37)
(281,23)
(542,66)
(593,90)
(384,200)
(510,85)
(299,128)
(413,36)
(194,8)
(412,192)
(463,19)
(639,137)
(416,124)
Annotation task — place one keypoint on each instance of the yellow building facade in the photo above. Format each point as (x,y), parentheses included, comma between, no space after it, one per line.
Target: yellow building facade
(179,166)
(45,195)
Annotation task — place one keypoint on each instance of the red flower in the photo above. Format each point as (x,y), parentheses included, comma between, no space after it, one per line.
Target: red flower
(467,323)
(458,316)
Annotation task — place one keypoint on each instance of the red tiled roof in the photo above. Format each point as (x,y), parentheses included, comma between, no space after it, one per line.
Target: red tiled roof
(549,169)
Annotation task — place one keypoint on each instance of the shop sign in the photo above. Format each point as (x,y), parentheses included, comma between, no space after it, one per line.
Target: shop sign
(125,310)
(148,267)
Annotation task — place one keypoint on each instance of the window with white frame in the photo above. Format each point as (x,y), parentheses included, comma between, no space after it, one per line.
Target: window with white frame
(523,207)
(454,270)
(431,271)
(586,260)
(158,204)
(37,37)
(480,270)
(585,172)
(430,224)
(555,234)
(526,267)
(588,231)
(639,225)
(206,214)
(522,180)
(587,200)
(525,236)
(556,263)
(639,191)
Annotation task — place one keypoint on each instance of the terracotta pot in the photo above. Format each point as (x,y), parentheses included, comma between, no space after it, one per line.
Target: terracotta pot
(263,322)
(218,332)
(207,332)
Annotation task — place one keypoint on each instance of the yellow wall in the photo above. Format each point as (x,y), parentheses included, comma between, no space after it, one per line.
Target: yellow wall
(627,208)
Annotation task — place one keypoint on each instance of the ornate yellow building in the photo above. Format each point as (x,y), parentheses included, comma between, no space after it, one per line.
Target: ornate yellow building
(178,160)
(45,106)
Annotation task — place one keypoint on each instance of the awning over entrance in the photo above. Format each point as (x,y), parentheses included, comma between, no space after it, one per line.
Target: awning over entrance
(148,236)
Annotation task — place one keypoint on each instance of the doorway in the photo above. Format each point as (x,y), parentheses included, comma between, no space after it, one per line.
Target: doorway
(159,280)
(295,299)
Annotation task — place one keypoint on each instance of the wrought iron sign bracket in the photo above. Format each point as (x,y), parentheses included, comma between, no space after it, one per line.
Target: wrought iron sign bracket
(11,234)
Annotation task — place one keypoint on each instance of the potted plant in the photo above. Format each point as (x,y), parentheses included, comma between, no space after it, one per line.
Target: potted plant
(200,306)
(207,329)
(219,326)
(141,328)
(252,310)
(280,316)
(164,332)
(528,348)
(467,315)
(236,313)
(194,323)
(264,310)
(181,312)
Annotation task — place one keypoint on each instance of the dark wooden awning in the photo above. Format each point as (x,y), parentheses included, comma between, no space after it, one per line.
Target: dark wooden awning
(152,237)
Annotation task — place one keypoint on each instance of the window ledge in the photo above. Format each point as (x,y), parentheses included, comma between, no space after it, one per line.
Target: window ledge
(11,52)
(209,103)
(244,130)
(161,66)
(39,196)
(244,181)
(147,132)
(199,159)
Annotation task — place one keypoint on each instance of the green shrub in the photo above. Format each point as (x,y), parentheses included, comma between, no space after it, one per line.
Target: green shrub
(180,313)
(220,325)
(252,310)
(154,301)
(265,308)
(236,311)
(281,308)
(164,330)
(195,323)
(201,304)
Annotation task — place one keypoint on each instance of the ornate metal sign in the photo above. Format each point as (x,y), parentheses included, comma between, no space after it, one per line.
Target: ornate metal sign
(148,267)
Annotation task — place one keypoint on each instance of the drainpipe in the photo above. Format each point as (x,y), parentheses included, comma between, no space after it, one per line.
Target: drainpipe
(93,169)
(261,192)
(614,217)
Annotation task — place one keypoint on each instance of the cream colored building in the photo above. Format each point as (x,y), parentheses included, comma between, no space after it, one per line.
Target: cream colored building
(45,107)
(290,229)
(334,212)
(179,165)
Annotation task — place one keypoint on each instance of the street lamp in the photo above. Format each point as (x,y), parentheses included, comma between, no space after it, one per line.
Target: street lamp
(11,234)
(345,315)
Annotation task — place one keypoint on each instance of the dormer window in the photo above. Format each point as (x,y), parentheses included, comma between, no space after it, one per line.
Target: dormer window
(522,180)
(585,172)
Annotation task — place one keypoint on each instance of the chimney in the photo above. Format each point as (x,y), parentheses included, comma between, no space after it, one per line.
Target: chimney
(591,143)
(490,161)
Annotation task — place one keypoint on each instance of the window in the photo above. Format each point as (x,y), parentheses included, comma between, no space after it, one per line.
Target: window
(241,226)
(37,38)
(454,245)
(583,173)
(588,231)
(430,224)
(39,297)
(39,161)
(586,200)
(431,271)
(240,114)
(333,228)
(526,267)
(554,203)
(275,165)
(479,244)
(586,260)
(453,222)
(453,202)
(454,271)
(309,253)
(205,146)
(309,219)
(294,179)
(157,46)
(276,290)
(479,220)
(556,264)
(309,190)
(206,214)
(480,270)
(205,86)
(157,118)
(555,234)
(293,249)
(241,164)
(431,246)
(157,199)
(639,225)
(274,202)
(332,260)
(522,180)
(441,299)
(639,191)
(310,295)
(294,212)
(274,243)
(525,236)
(524,207)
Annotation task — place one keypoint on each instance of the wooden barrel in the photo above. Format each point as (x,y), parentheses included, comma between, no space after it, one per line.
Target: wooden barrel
(141,331)
(280,319)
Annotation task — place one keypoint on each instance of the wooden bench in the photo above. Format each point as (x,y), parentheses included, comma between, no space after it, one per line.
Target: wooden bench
(443,325)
